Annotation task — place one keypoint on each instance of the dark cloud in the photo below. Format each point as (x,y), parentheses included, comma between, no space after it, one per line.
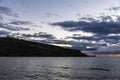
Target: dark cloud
(97,38)
(114,8)
(95,42)
(106,18)
(43,36)
(12,28)
(90,49)
(118,18)
(39,35)
(7,11)
(21,22)
(101,27)
(91,38)
(2,32)
(16,35)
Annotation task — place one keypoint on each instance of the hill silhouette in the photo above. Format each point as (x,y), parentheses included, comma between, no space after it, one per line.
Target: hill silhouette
(18,47)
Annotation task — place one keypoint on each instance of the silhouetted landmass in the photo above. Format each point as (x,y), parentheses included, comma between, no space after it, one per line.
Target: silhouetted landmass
(17,47)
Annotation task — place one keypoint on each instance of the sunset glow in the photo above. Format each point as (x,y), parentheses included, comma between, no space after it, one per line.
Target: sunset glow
(108,55)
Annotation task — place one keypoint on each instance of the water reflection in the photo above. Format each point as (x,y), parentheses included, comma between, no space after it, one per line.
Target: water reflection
(59,68)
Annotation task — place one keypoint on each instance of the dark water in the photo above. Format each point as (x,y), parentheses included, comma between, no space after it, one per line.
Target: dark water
(70,68)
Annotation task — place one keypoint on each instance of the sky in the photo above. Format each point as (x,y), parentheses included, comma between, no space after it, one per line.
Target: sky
(92,26)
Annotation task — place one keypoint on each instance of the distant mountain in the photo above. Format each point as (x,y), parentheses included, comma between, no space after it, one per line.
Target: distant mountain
(17,47)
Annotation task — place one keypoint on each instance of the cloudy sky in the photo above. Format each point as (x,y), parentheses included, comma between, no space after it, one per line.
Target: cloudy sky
(92,26)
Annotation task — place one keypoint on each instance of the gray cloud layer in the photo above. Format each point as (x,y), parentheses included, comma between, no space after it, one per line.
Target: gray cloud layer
(92,27)
(12,28)
(21,22)
(7,11)
(100,28)
(104,26)
(2,32)
(105,38)
(40,35)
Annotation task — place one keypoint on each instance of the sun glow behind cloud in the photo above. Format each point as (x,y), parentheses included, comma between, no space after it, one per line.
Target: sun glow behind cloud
(63,45)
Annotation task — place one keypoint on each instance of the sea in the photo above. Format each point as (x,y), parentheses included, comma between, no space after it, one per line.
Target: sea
(59,68)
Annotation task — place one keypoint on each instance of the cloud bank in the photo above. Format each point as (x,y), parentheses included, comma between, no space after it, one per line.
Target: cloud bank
(39,35)
(105,32)
(105,26)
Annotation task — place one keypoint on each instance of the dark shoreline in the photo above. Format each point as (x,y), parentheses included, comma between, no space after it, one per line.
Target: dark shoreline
(11,47)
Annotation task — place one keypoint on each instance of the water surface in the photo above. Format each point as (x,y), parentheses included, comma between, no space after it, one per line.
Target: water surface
(59,68)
